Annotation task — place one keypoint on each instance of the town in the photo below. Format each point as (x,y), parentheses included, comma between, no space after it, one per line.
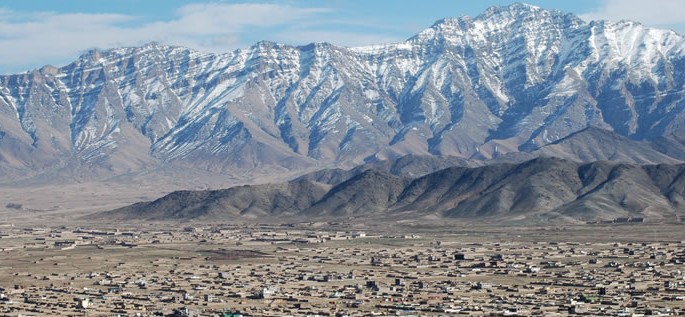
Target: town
(334,269)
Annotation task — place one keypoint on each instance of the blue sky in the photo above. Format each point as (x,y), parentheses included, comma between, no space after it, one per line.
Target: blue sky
(39,32)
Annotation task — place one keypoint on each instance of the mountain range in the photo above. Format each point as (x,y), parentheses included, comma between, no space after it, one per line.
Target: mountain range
(538,190)
(513,82)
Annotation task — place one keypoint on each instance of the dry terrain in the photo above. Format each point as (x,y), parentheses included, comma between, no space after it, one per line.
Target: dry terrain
(334,269)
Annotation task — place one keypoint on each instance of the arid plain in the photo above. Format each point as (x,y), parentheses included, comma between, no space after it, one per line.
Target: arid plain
(339,269)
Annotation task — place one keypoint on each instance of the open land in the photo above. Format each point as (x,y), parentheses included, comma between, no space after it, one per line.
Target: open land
(335,269)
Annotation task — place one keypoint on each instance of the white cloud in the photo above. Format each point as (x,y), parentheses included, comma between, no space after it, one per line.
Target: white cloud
(657,13)
(49,36)
(35,39)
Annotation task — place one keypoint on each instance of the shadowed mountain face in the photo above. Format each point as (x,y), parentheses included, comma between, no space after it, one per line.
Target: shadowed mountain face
(515,78)
(407,166)
(539,189)
(229,204)
(593,144)
(587,145)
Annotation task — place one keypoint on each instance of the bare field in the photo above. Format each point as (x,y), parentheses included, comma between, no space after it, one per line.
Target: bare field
(41,200)
(51,202)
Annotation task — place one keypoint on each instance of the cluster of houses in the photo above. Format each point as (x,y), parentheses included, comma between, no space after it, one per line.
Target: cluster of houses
(266,271)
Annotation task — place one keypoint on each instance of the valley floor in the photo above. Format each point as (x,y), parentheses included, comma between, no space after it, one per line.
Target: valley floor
(336,269)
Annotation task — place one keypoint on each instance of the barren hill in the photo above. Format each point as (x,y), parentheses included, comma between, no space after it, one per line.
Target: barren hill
(536,190)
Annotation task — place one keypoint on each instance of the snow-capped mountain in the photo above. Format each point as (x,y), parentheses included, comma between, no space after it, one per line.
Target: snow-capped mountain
(511,79)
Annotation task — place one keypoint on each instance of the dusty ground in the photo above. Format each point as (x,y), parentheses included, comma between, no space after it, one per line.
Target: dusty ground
(42,200)
(182,260)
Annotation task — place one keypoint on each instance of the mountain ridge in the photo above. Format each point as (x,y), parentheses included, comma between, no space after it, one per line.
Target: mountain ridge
(513,79)
(547,189)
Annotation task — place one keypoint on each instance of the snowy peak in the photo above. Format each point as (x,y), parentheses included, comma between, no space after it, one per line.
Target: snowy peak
(514,78)
(517,19)
(514,11)
(632,43)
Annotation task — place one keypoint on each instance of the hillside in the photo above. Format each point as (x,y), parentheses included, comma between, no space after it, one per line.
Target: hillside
(542,189)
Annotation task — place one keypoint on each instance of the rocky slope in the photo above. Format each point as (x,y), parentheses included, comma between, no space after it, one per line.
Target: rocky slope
(542,189)
(512,79)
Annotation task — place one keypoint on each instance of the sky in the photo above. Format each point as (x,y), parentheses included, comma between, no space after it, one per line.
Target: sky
(41,32)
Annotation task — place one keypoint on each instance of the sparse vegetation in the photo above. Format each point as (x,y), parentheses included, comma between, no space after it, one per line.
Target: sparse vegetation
(14,206)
